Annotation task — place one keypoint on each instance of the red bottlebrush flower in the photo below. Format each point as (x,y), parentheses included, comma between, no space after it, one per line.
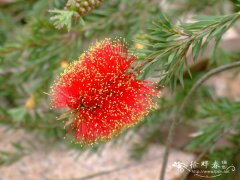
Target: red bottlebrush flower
(103,97)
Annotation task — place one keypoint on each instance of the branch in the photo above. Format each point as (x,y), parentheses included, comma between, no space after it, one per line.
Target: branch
(183,106)
(168,45)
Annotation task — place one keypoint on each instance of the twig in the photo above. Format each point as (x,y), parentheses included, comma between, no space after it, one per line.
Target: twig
(127,166)
(182,107)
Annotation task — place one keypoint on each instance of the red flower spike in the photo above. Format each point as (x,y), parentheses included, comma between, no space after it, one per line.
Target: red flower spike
(103,97)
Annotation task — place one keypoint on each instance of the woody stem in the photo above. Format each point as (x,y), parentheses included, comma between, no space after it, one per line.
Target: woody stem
(178,117)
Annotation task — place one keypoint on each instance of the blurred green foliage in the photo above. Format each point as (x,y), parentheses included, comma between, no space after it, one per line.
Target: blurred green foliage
(33,51)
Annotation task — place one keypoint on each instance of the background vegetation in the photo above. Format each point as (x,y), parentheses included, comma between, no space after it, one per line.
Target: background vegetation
(38,39)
